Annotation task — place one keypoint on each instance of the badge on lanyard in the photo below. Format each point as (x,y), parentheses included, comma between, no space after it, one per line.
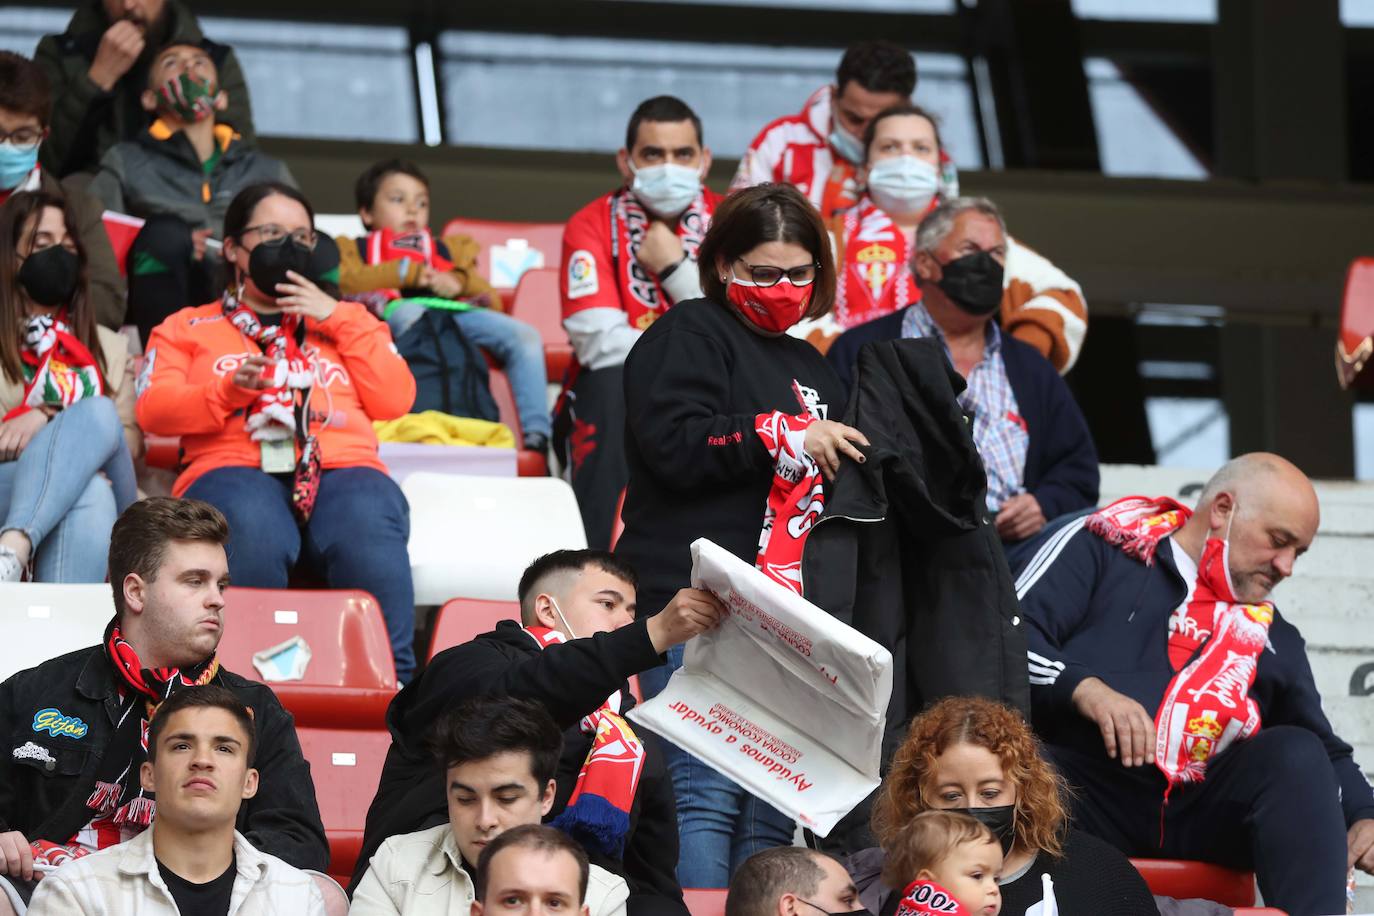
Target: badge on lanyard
(278,456)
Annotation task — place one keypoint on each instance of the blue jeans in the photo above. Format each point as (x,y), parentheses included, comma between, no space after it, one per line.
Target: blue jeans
(54,492)
(719,823)
(356,538)
(516,345)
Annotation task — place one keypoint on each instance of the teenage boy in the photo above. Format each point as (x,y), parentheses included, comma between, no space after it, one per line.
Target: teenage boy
(201,746)
(400,263)
(579,643)
(179,175)
(499,756)
(69,776)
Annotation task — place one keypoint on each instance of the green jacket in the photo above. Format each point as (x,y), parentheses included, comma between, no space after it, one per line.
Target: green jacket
(87,121)
(159,173)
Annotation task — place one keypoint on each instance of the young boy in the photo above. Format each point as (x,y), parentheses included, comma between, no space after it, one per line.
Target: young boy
(949,863)
(399,258)
(179,176)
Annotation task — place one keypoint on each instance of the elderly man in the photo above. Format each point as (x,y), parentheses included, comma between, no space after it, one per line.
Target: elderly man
(791,881)
(1179,702)
(1033,440)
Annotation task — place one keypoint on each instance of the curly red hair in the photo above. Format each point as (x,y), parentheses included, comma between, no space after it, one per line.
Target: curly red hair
(1041,816)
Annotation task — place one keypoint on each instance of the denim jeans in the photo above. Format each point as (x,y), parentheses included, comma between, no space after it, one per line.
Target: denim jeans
(719,823)
(54,492)
(356,538)
(516,345)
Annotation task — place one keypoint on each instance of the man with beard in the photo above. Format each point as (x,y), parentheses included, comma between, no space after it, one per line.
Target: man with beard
(98,69)
(1146,605)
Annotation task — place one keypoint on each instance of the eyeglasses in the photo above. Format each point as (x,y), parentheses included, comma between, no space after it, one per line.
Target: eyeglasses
(768,275)
(25,139)
(271,232)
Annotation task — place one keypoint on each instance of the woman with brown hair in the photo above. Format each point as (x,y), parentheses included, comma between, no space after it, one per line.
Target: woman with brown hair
(66,402)
(975,755)
(716,391)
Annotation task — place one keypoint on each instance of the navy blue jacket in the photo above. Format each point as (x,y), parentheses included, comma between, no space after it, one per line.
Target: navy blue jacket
(1061,460)
(1093,611)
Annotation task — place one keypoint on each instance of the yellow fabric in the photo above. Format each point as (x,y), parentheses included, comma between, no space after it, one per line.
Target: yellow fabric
(435,428)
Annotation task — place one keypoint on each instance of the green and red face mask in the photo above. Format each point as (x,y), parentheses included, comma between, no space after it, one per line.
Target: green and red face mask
(187,98)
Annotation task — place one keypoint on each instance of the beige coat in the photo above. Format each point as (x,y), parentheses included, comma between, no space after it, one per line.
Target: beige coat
(118,372)
(124,880)
(421,874)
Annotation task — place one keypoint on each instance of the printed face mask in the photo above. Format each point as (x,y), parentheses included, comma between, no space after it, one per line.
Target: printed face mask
(973,282)
(270,261)
(15,164)
(773,308)
(903,184)
(187,98)
(666,190)
(50,276)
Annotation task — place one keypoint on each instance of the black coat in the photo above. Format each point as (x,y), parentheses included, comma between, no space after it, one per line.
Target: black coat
(571,679)
(906,553)
(50,804)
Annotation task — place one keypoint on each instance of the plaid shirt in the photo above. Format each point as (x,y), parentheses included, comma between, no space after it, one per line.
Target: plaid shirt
(999,432)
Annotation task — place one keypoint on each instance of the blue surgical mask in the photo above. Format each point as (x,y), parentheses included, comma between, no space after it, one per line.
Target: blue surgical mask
(902,184)
(15,164)
(846,144)
(666,190)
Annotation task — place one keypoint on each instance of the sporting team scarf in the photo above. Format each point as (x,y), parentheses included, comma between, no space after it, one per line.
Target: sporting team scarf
(926,898)
(598,811)
(272,416)
(61,369)
(1214,643)
(118,793)
(640,291)
(384,245)
(876,279)
(795,499)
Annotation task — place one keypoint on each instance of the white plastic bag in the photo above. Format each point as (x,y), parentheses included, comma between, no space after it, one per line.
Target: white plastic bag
(781,697)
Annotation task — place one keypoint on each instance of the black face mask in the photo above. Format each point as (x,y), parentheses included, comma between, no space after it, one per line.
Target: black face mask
(270,261)
(50,276)
(863,912)
(1000,820)
(973,282)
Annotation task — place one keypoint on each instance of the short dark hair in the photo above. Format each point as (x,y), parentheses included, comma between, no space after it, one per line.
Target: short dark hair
(767,213)
(538,837)
(661,108)
(24,87)
(207,696)
(569,561)
(878,66)
(482,727)
(139,538)
(901,109)
(365,188)
(765,876)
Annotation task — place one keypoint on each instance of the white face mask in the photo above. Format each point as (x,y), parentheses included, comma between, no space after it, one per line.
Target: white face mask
(666,190)
(559,611)
(846,144)
(903,184)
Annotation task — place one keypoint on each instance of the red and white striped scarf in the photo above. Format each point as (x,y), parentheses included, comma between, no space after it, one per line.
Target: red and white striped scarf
(272,416)
(63,369)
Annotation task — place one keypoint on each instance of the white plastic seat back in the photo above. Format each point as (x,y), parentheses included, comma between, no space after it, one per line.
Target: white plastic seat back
(43,621)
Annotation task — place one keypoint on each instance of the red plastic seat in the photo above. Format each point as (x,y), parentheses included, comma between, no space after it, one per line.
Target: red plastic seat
(546,238)
(122,230)
(1191,880)
(537,302)
(618,524)
(346,765)
(527,463)
(464,619)
(1354,343)
(351,677)
(704,901)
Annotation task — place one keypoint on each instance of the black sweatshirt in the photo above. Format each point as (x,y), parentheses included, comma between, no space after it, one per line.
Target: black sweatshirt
(694,384)
(571,679)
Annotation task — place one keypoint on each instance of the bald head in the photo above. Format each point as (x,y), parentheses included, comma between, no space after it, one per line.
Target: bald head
(1268,510)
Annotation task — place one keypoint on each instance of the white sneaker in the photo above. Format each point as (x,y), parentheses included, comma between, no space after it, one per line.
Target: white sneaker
(11,570)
